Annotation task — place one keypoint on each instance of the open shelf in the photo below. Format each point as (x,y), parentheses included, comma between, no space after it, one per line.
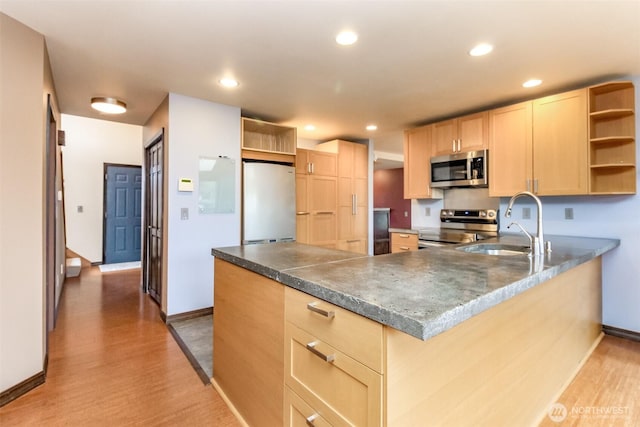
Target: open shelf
(612,146)
(268,137)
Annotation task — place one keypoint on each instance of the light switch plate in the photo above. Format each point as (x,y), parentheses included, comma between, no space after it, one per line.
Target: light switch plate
(184,213)
(427,211)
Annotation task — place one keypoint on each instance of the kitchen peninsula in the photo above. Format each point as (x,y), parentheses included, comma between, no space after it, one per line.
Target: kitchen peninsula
(433,336)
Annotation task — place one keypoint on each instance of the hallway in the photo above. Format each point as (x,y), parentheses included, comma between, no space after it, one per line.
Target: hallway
(113,362)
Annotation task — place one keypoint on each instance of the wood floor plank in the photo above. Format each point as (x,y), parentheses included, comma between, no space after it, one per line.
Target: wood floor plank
(606,391)
(113,362)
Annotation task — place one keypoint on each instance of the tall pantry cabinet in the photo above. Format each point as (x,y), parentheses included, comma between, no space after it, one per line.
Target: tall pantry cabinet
(351,203)
(316,197)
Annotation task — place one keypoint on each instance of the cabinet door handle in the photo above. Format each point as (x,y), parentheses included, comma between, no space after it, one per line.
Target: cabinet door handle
(528,184)
(354,201)
(310,419)
(329,358)
(324,213)
(302,213)
(459,145)
(353,241)
(535,186)
(453,145)
(313,306)
(313,168)
(309,167)
(404,248)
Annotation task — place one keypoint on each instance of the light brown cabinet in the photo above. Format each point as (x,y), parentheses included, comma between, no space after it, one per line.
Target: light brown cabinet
(539,146)
(466,133)
(353,200)
(418,151)
(560,144)
(316,198)
(333,362)
(403,242)
(268,141)
(510,149)
(612,145)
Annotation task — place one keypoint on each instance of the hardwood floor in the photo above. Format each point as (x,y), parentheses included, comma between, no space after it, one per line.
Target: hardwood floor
(606,391)
(113,362)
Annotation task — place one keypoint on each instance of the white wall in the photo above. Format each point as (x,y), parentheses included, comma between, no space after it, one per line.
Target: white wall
(197,128)
(22,137)
(90,143)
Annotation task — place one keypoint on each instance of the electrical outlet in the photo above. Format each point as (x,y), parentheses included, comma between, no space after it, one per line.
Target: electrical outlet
(568,213)
(406,214)
(526,213)
(80,209)
(184,213)
(427,211)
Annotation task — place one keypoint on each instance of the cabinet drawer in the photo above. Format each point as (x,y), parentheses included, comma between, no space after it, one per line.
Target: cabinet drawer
(352,334)
(298,413)
(343,390)
(402,242)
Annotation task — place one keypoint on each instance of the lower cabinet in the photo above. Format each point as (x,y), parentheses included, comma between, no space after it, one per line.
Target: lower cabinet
(332,359)
(298,413)
(403,242)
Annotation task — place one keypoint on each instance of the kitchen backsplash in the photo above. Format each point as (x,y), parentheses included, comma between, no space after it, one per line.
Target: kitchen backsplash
(469,198)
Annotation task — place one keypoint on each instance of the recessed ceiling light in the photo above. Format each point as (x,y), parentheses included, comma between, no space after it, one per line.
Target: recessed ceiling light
(481,49)
(346,38)
(372,127)
(532,83)
(310,127)
(228,82)
(108,105)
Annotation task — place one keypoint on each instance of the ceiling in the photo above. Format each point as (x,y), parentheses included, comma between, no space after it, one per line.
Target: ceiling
(409,66)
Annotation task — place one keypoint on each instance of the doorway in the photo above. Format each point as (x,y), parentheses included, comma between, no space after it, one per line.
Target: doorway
(122,213)
(153,208)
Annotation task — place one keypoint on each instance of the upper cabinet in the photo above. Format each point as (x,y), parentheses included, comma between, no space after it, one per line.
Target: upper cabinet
(510,149)
(560,144)
(418,151)
(268,141)
(314,162)
(612,145)
(467,133)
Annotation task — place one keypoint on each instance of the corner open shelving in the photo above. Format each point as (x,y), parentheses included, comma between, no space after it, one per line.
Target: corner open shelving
(612,144)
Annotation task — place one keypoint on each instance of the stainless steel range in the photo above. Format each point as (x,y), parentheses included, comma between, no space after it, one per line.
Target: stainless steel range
(460,226)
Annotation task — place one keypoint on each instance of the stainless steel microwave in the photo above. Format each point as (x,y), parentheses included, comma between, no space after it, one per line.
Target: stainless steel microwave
(460,170)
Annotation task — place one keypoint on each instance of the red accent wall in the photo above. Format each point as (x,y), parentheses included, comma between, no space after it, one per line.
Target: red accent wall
(388,192)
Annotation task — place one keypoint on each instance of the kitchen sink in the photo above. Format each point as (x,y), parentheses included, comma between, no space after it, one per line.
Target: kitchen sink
(499,249)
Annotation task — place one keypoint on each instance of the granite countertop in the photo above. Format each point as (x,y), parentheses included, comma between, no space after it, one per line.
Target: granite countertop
(421,293)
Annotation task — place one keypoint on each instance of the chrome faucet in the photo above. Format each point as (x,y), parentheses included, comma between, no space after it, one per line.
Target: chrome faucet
(537,241)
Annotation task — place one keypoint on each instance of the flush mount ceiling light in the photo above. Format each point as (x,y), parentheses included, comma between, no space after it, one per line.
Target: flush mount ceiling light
(372,127)
(228,82)
(310,127)
(346,38)
(481,49)
(108,105)
(532,83)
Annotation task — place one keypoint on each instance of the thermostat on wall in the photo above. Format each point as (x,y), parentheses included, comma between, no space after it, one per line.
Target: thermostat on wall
(185,184)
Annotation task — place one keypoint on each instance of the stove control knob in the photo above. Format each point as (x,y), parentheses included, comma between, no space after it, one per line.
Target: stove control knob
(450,213)
(491,214)
(483,214)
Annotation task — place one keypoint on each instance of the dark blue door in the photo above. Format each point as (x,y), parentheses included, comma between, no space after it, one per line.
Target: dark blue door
(123,214)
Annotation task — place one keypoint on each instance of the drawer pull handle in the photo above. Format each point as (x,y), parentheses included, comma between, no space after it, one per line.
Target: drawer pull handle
(404,236)
(313,306)
(329,358)
(311,418)
(404,248)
